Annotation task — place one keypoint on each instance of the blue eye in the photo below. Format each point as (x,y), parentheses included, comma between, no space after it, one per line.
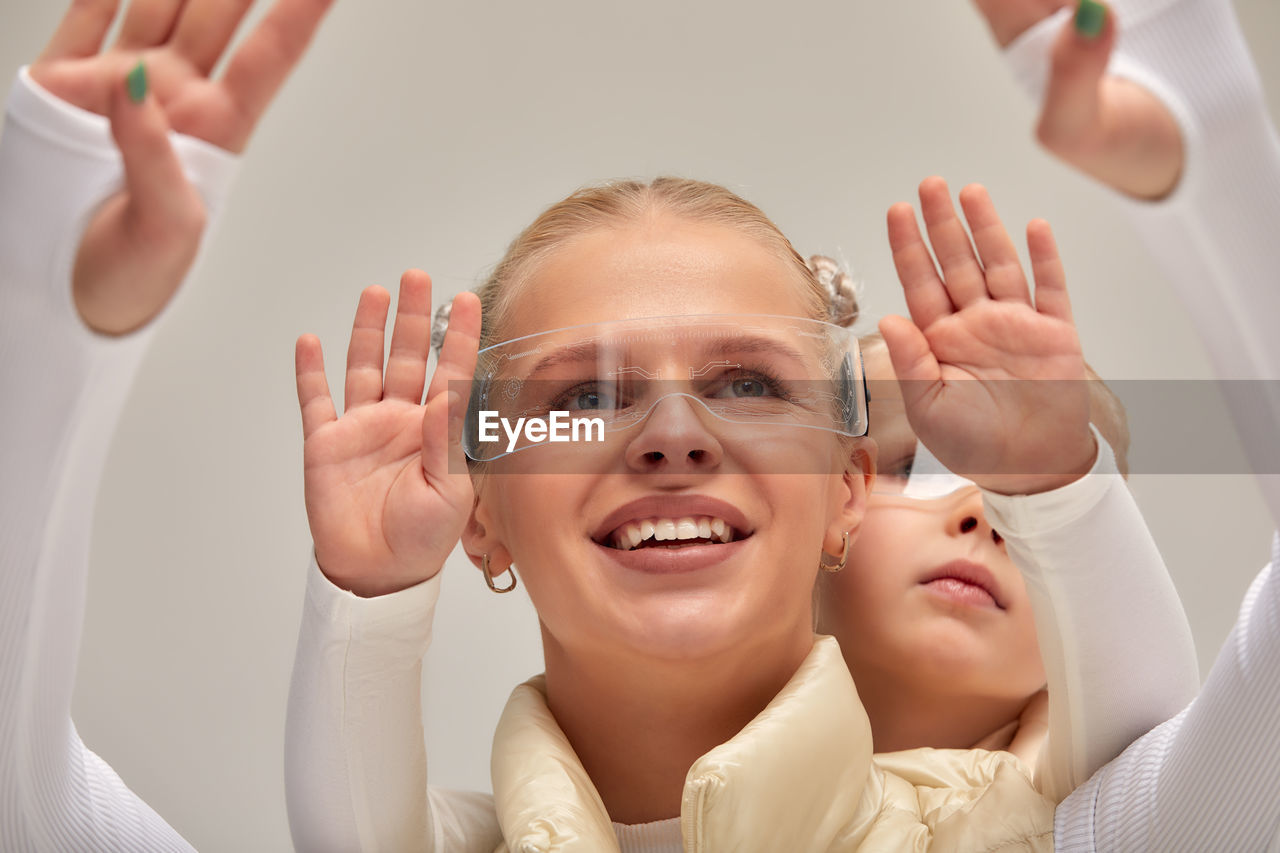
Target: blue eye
(588,396)
(747,385)
(590,400)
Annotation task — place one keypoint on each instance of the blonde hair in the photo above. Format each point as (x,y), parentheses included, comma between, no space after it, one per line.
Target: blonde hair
(619,203)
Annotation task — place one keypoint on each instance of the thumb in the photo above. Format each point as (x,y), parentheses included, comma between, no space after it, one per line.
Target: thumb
(1072,102)
(161,203)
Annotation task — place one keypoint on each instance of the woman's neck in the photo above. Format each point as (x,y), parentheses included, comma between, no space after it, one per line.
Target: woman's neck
(638,725)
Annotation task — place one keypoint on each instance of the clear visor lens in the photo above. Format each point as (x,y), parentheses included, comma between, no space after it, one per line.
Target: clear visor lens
(579,383)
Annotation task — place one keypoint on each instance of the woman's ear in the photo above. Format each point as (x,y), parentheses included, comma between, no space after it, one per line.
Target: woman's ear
(479,538)
(859,476)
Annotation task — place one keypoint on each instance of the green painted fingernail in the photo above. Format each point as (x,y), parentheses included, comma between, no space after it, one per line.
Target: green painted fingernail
(136,83)
(1091,17)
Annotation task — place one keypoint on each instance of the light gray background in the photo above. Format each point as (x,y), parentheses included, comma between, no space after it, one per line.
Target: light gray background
(427,134)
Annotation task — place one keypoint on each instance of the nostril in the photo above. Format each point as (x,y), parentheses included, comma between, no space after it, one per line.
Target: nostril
(996,537)
(697,455)
(968,524)
(653,456)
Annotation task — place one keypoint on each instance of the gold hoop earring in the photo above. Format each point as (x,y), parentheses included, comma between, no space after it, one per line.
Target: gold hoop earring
(844,558)
(488,576)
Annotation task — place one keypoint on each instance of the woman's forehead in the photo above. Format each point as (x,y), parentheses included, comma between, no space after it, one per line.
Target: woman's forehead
(661,268)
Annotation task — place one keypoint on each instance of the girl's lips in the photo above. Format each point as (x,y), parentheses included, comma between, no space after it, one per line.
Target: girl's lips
(965,583)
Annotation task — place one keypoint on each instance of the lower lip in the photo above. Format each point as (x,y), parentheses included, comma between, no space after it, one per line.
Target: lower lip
(672,561)
(961,592)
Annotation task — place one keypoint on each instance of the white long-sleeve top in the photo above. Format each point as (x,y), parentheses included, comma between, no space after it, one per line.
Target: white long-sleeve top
(63,387)
(1209,779)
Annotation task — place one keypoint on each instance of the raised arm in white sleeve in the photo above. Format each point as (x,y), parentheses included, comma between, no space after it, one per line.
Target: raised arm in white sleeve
(355,756)
(63,388)
(1208,779)
(1092,571)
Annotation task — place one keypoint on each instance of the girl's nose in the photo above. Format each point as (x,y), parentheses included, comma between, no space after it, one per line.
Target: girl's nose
(965,516)
(674,439)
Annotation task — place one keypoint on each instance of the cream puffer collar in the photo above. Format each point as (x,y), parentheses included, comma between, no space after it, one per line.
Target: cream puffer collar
(797,777)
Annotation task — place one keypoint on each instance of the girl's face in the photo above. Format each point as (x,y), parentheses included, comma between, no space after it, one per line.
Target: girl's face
(930,600)
(556,510)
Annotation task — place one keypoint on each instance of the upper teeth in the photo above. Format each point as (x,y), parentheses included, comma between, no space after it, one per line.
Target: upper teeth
(632,533)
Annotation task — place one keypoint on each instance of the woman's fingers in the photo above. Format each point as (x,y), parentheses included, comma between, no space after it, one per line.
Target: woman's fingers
(161,200)
(914,364)
(313,388)
(204,29)
(364,353)
(81,31)
(961,272)
(261,63)
(1072,111)
(457,364)
(147,23)
(442,422)
(443,460)
(927,298)
(410,339)
(1001,265)
(1046,266)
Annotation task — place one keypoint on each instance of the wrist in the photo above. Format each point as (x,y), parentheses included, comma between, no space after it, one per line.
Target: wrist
(1063,470)
(366,583)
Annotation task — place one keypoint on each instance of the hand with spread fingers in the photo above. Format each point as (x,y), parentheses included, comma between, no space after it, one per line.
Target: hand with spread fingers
(156,78)
(993,381)
(1109,127)
(387,487)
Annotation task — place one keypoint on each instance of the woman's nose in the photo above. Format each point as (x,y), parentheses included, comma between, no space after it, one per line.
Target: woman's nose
(674,439)
(966,517)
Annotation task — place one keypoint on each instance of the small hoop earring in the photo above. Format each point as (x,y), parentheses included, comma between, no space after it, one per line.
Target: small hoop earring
(488,576)
(844,558)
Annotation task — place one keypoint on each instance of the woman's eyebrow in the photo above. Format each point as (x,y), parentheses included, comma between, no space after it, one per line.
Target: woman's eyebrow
(750,344)
(574,354)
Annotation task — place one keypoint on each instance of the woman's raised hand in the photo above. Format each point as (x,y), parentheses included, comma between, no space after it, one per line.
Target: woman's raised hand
(993,382)
(156,77)
(1106,126)
(387,487)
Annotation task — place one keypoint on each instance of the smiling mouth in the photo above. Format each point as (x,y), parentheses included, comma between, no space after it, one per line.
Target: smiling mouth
(672,533)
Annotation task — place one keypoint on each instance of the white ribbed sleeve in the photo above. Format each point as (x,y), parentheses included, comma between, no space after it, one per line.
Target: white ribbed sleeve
(1208,779)
(355,755)
(1116,645)
(63,388)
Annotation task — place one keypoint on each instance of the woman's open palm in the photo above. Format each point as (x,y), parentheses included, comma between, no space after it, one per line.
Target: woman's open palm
(387,488)
(156,77)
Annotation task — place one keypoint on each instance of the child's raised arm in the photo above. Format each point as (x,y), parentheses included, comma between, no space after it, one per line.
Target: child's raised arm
(993,384)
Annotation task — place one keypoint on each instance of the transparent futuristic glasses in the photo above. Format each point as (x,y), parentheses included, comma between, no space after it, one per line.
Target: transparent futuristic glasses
(581,383)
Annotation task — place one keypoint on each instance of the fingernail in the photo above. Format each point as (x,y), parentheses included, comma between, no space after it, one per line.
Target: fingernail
(1091,17)
(136,83)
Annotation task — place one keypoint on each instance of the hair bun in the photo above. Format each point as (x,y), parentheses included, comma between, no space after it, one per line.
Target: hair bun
(842,291)
(439,325)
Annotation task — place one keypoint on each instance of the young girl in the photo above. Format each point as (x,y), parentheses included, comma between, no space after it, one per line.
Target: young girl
(937,612)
